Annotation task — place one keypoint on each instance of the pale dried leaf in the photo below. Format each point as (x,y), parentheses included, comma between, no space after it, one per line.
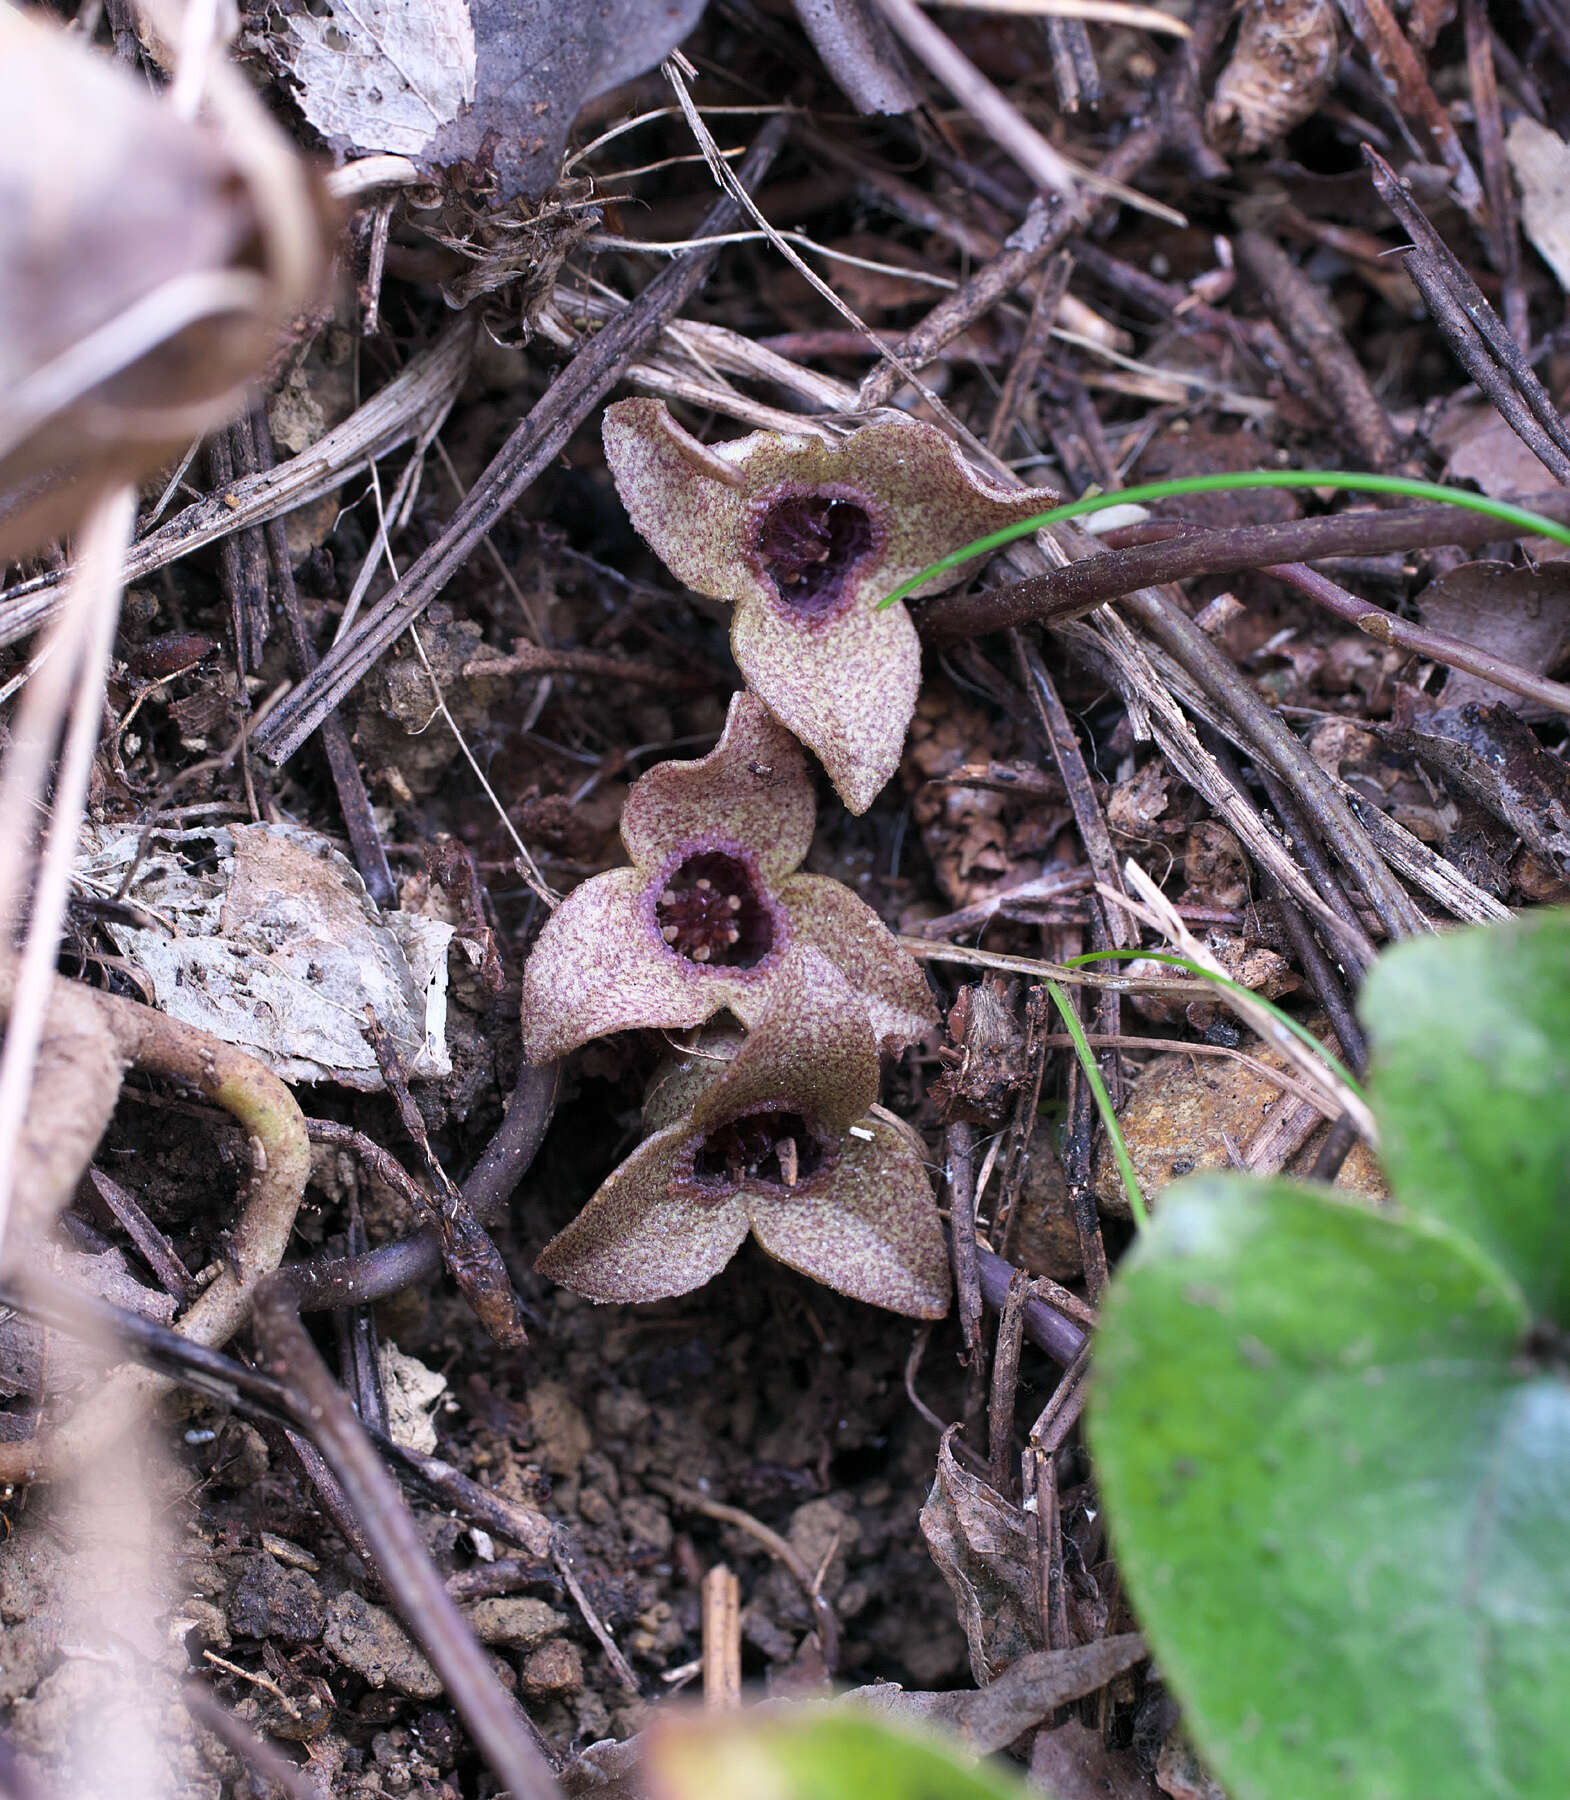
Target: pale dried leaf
(491,84)
(147,263)
(380,74)
(1541,161)
(279,949)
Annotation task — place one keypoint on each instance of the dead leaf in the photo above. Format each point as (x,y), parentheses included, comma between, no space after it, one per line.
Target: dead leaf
(1190,1112)
(1521,615)
(1485,450)
(147,266)
(1541,161)
(1490,754)
(1135,807)
(987,1719)
(493,84)
(264,935)
(982,1546)
(376,74)
(1072,1763)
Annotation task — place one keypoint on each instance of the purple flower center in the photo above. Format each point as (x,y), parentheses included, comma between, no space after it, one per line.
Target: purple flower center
(710,911)
(775,1147)
(808,544)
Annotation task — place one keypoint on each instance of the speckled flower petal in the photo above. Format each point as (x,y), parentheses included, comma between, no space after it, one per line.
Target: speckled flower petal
(753,786)
(811,1052)
(889,982)
(688,513)
(846,685)
(646,1235)
(677,1083)
(923,499)
(934,502)
(599,966)
(871,1232)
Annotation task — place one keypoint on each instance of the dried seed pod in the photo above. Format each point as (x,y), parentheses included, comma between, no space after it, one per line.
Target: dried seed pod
(1283,65)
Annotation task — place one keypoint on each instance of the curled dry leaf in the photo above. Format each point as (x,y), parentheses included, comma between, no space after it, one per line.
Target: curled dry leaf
(709,914)
(775,1142)
(485,83)
(982,1546)
(1282,66)
(804,538)
(147,266)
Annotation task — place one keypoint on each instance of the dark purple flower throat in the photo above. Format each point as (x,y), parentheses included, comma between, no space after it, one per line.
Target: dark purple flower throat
(808,544)
(776,1148)
(710,911)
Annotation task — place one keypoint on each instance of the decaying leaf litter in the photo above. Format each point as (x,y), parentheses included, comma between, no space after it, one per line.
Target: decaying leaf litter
(1081,253)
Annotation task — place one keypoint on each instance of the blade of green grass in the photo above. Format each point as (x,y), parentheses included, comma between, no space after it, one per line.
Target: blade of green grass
(1098,1089)
(1526,523)
(1224,981)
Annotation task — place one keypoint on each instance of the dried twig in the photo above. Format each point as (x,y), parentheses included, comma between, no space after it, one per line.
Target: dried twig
(76,674)
(264,1107)
(1163,550)
(412,405)
(1473,330)
(533,445)
(1300,310)
(823,1615)
(503,1733)
(355,1281)
(959,1159)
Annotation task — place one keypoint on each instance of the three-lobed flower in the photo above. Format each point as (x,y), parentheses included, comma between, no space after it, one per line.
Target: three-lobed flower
(711,912)
(778,1141)
(804,538)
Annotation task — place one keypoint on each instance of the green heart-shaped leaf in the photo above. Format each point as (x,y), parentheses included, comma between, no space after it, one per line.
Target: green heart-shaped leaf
(1470,1043)
(811,1753)
(1334,1444)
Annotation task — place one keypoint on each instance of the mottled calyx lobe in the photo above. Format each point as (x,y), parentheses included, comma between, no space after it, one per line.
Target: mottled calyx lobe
(808,544)
(775,1147)
(710,911)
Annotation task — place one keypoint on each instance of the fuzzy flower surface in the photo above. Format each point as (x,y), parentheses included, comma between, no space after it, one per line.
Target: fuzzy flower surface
(711,911)
(805,538)
(777,1142)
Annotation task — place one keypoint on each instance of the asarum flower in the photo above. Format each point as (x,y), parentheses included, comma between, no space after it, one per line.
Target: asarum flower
(707,917)
(805,538)
(775,1142)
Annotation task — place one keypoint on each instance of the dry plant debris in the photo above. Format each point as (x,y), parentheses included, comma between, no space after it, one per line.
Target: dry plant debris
(560,518)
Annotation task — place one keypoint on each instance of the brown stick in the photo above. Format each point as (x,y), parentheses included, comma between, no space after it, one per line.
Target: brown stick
(1005,1382)
(721,1640)
(1437,646)
(501,1731)
(354,803)
(1471,326)
(1041,236)
(1186,551)
(1505,240)
(1299,308)
(358,1280)
(959,1157)
(264,1107)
